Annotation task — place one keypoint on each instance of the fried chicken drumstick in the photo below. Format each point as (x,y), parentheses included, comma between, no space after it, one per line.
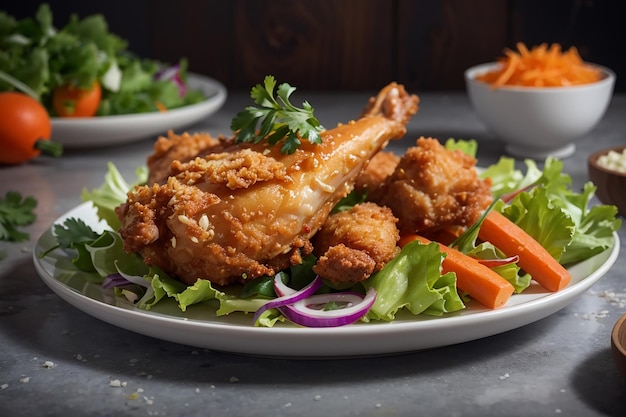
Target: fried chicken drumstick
(247,210)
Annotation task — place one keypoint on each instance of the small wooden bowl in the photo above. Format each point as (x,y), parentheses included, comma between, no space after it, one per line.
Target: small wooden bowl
(618,344)
(611,185)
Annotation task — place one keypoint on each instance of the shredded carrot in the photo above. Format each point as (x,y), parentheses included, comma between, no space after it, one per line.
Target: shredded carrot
(541,66)
(478,281)
(533,258)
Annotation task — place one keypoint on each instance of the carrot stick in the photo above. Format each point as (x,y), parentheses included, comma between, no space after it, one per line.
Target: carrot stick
(480,282)
(533,258)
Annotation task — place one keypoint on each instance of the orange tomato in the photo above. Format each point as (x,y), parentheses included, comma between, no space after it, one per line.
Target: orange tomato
(25,129)
(71,101)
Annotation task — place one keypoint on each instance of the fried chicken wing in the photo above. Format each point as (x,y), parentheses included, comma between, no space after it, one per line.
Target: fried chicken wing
(250,210)
(353,244)
(433,188)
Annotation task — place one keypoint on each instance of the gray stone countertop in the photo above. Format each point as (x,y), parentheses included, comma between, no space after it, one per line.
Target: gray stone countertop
(59,361)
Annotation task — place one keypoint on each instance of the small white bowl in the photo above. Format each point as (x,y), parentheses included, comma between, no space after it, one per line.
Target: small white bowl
(537,122)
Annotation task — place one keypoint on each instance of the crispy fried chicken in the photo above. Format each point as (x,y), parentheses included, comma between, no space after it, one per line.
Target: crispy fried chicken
(353,244)
(248,210)
(433,188)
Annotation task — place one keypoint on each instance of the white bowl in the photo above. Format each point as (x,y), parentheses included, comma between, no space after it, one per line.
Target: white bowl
(537,122)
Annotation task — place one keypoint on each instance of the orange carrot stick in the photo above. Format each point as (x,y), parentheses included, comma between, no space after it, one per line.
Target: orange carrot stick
(480,282)
(533,258)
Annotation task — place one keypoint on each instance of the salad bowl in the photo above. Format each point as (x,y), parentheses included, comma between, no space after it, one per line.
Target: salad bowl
(120,129)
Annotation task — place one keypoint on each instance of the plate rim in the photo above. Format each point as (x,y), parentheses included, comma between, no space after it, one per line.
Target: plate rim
(299,342)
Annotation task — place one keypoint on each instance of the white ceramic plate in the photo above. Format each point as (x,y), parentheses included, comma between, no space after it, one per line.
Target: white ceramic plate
(199,326)
(114,130)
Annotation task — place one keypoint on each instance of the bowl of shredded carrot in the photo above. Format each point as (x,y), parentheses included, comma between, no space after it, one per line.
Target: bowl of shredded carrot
(539,101)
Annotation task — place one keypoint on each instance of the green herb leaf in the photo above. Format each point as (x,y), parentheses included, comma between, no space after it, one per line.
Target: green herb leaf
(16,211)
(275,119)
(74,234)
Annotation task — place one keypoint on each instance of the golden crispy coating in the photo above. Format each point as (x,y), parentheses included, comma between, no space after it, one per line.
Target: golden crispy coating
(353,244)
(433,188)
(182,148)
(373,176)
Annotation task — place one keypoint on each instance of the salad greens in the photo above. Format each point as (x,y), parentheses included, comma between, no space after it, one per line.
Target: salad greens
(36,58)
(550,211)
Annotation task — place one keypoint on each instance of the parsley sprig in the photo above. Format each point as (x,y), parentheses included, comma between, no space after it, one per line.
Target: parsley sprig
(277,118)
(15,212)
(74,234)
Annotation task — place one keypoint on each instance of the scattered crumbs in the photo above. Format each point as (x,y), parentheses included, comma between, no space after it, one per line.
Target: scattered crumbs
(287,405)
(133,361)
(234,379)
(4,386)
(594,316)
(97,355)
(505,376)
(345,397)
(378,405)
(81,358)
(65,332)
(212,386)
(48,364)
(149,400)
(117,383)
(25,380)
(558,411)
(197,390)
(133,396)
(562,390)
(614,298)
(317,397)
(195,352)
(139,390)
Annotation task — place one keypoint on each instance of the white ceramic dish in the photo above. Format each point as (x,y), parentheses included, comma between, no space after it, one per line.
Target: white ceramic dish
(199,326)
(537,122)
(115,130)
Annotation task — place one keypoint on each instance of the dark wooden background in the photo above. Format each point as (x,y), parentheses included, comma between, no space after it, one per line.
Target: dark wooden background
(351,44)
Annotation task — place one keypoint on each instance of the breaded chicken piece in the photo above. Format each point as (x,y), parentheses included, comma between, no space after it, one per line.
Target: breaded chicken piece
(353,244)
(433,188)
(182,148)
(249,210)
(373,176)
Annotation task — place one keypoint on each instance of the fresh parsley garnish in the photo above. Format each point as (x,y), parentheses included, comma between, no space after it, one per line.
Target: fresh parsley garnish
(75,234)
(15,212)
(277,118)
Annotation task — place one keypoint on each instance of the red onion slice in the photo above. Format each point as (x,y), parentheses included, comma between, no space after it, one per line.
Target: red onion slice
(301,313)
(305,308)
(288,298)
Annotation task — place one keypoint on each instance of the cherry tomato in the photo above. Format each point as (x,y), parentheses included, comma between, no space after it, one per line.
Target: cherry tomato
(25,129)
(71,101)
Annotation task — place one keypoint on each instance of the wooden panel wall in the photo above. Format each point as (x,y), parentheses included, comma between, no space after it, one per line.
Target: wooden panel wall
(350,44)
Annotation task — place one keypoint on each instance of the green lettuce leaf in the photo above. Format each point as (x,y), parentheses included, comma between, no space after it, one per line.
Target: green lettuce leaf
(112,193)
(412,281)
